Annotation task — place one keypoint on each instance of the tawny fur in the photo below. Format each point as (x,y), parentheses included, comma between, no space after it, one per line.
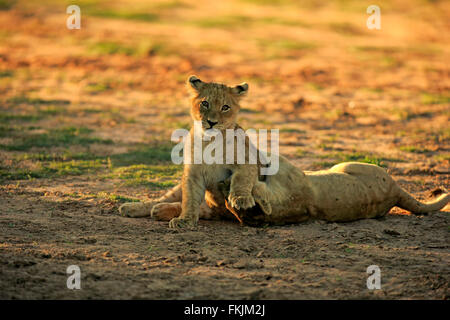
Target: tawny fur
(346,192)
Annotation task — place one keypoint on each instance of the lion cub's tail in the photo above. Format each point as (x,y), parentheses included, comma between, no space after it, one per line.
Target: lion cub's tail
(408,202)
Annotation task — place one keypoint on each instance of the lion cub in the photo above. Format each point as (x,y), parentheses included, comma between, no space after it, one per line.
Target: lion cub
(216,106)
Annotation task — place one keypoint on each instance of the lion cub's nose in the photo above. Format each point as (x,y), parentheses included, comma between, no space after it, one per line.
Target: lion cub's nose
(212,123)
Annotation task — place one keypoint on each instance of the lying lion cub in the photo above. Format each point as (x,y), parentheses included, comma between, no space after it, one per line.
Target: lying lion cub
(346,192)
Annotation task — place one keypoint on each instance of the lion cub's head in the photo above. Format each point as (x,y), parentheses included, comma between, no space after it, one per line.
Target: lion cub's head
(215,105)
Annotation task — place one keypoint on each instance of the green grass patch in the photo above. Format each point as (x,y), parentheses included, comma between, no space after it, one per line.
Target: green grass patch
(141,49)
(19,174)
(429,98)
(7,4)
(6,73)
(373,90)
(323,164)
(283,22)
(91,111)
(9,117)
(115,197)
(223,22)
(301,153)
(361,157)
(405,114)
(65,156)
(292,130)
(442,135)
(154,47)
(249,111)
(378,49)
(442,157)
(41,108)
(11,130)
(239,21)
(286,44)
(121,14)
(402,114)
(142,165)
(143,154)
(155,176)
(423,51)
(269,2)
(169,5)
(283,48)
(414,149)
(54,137)
(313,86)
(51,110)
(110,47)
(6,131)
(180,125)
(36,101)
(324,146)
(74,167)
(390,62)
(345,28)
(98,87)
(52,169)
(41,111)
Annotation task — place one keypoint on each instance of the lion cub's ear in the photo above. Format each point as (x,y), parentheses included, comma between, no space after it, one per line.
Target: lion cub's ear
(240,89)
(195,83)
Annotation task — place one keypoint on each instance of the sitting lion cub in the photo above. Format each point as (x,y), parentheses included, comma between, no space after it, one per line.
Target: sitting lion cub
(216,106)
(346,192)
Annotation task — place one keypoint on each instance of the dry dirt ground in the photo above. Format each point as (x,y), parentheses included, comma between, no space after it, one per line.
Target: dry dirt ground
(85,123)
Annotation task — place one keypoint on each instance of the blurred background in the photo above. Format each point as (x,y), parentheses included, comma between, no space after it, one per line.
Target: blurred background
(98,104)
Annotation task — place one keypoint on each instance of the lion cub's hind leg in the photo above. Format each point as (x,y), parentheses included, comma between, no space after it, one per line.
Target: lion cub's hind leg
(166,211)
(144,209)
(136,209)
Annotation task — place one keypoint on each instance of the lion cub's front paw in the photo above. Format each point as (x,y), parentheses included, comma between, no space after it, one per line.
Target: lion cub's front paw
(176,223)
(241,202)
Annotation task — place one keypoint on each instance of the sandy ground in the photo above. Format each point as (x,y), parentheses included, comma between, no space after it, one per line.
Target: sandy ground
(86,117)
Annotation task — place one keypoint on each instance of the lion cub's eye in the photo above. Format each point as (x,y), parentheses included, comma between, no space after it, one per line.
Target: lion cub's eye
(225,108)
(205,104)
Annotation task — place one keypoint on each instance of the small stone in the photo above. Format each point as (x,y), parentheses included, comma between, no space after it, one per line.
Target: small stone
(391,232)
